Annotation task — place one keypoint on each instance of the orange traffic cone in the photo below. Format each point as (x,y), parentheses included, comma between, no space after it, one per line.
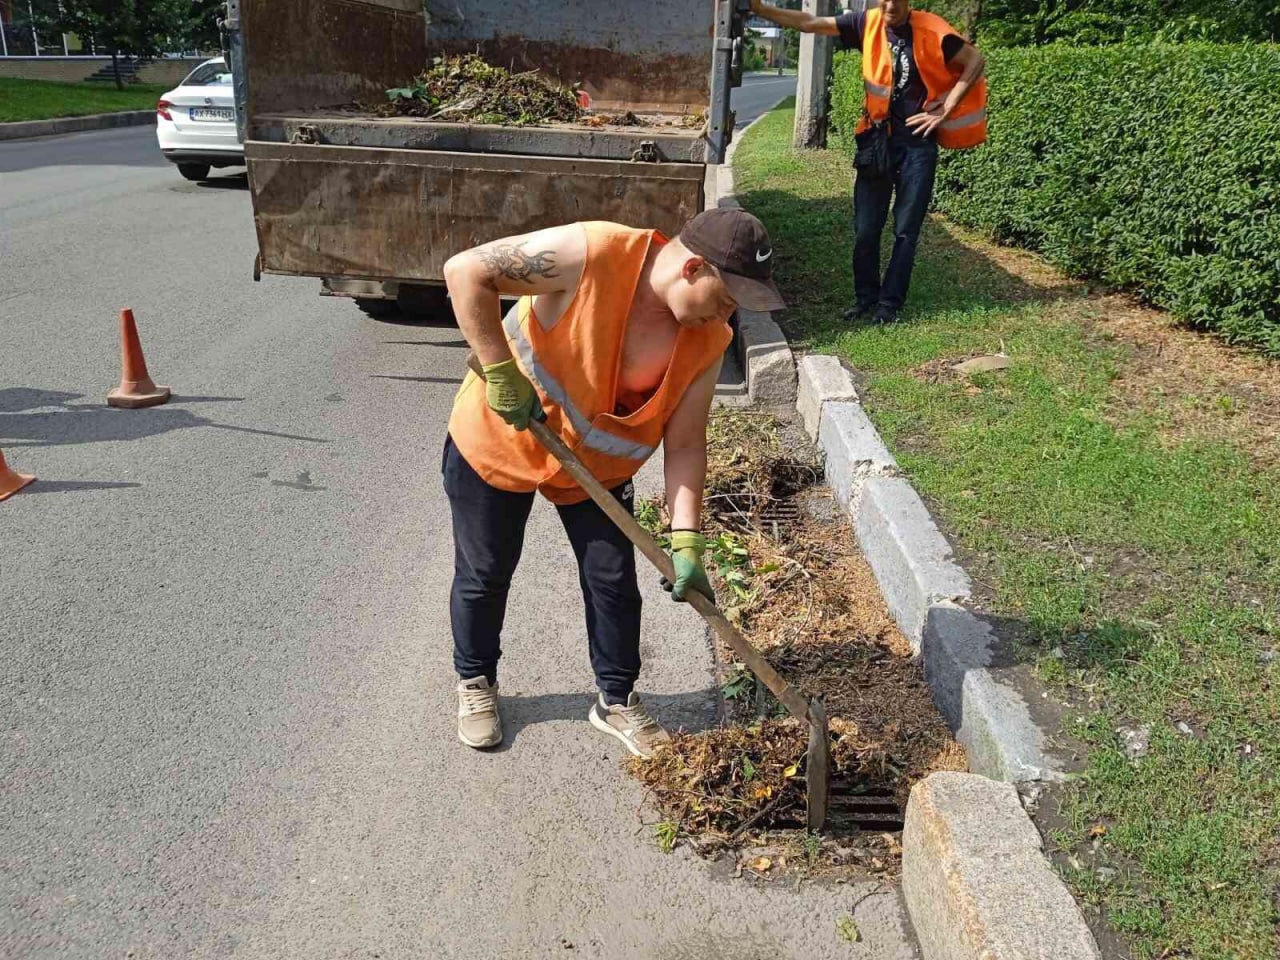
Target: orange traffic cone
(10,480)
(136,389)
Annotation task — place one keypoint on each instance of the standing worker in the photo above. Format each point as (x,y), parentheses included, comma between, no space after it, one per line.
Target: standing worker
(617,341)
(924,88)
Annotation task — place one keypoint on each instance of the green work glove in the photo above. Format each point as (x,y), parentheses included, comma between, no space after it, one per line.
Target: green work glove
(687,547)
(510,394)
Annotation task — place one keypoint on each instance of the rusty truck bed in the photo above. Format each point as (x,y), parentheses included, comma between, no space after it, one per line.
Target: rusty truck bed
(350,196)
(382,214)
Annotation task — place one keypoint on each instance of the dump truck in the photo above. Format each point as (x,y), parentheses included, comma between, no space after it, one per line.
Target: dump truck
(374,205)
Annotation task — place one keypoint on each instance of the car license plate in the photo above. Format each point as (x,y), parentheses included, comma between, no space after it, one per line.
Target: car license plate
(212,113)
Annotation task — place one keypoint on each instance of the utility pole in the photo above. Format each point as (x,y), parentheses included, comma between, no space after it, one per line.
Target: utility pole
(811,85)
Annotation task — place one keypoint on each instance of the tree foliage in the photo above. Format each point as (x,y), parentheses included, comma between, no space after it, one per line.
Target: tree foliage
(134,28)
(200,31)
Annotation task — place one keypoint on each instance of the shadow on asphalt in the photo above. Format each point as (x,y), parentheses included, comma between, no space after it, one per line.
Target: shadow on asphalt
(93,424)
(181,398)
(17,399)
(690,712)
(237,181)
(394,317)
(75,486)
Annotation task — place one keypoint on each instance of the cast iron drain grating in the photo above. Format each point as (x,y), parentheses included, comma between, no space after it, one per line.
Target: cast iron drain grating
(857,809)
(778,515)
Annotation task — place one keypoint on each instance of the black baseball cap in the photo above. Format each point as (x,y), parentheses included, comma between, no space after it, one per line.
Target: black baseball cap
(736,243)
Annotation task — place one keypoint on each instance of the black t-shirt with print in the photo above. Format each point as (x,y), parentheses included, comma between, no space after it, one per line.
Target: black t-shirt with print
(908,86)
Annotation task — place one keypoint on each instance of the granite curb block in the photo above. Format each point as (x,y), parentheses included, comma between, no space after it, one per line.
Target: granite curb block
(768,365)
(923,587)
(856,452)
(767,361)
(94,121)
(909,556)
(976,881)
(990,719)
(822,378)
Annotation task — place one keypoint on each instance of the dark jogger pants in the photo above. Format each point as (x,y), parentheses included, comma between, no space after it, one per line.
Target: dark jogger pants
(488,535)
(909,188)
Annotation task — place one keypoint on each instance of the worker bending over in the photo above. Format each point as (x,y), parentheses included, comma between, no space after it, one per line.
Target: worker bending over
(617,340)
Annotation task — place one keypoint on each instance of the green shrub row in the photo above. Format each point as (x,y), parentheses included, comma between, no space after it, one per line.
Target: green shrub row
(1154,168)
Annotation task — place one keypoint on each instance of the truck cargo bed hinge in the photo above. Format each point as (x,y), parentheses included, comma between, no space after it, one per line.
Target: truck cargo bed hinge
(305,133)
(646,153)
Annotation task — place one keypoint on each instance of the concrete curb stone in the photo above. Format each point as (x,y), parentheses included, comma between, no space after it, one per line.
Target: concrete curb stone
(909,556)
(976,881)
(920,582)
(854,451)
(822,379)
(991,719)
(95,121)
(975,878)
(767,360)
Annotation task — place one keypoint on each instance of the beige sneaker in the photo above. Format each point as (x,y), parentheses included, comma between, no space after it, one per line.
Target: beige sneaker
(479,725)
(631,724)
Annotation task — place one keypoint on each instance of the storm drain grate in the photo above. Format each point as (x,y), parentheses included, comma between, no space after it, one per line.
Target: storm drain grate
(777,515)
(857,808)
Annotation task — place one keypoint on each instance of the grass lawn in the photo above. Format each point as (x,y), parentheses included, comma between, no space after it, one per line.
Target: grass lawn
(42,100)
(1116,495)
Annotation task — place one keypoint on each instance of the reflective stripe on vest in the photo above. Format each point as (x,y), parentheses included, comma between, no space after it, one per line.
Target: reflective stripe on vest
(875,90)
(969,120)
(596,438)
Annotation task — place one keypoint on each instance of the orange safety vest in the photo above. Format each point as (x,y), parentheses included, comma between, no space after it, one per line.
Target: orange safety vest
(576,368)
(967,126)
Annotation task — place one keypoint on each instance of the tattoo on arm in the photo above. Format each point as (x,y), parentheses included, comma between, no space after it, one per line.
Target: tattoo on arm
(510,260)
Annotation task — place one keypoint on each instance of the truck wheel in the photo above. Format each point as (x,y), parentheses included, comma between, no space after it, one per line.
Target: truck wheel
(376,308)
(194,171)
(427,305)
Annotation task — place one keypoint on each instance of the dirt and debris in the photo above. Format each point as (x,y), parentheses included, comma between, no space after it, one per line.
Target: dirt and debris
(788,574)
(753,474)
(467,89)
(946,369)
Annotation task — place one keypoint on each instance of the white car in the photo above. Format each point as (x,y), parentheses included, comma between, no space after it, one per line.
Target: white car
(196,122)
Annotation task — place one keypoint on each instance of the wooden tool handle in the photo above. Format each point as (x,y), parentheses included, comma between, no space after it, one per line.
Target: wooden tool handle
(787,695)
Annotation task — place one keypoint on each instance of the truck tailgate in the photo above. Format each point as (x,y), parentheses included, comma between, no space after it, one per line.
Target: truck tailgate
(373,213)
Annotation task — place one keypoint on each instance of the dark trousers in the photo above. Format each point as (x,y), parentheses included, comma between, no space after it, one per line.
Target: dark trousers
(488,535)
(910,187)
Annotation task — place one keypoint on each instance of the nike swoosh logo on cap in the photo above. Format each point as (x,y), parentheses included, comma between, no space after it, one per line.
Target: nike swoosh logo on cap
(762,257)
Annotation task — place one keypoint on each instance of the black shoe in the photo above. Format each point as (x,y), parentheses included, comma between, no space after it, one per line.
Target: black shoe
(885,315)
(859,311)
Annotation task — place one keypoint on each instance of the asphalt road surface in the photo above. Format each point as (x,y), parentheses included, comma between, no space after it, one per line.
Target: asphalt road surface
(226,693)
(760,93)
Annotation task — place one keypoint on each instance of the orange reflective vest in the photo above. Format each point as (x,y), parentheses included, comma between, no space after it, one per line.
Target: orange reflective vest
(967,126)
(575,365)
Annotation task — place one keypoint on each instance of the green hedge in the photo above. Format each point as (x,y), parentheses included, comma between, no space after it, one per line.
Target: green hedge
(846,100)
(1153,168)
